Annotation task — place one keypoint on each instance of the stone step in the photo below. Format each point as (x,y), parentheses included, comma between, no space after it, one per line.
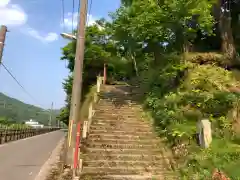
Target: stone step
(122,136)
(116,132)
(118,115)
(122,151)
(122,157)
(116,112)
(123,170)
(121,120)
(122,141)
(111,104)
(119,127)
(106,123)
(127,109)
(116,95)
(114,117)
(117,163)
(121,146)
(114,104)
(118,101)
(126,177)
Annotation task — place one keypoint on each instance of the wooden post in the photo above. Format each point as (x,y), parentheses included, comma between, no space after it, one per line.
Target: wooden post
(105,74)
(90,114)
(85,129)
(5,135)
(90,109)
(98,84)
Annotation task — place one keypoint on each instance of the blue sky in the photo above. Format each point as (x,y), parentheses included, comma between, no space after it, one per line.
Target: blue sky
(33,46)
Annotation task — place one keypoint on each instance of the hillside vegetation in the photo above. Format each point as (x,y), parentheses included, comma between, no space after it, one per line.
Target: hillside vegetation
(179,95)
(15,111)
(186,63)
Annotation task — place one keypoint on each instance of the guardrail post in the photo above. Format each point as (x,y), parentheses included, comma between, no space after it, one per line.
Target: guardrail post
(5,135)
(90,115)
(1,137)
(85,129)
(98,84)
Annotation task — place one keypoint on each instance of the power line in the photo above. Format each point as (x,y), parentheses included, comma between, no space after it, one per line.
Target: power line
(15,79)
(63,15)
(78,15)
(89,11)
(73,8)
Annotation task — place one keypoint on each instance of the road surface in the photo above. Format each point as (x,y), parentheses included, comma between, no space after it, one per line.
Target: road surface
(23,159)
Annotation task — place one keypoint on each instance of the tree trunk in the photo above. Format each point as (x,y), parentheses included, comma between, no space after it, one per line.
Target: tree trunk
(224,19)
(134,63)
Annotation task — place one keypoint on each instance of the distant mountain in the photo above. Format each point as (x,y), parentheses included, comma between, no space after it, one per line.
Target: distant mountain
(15,110)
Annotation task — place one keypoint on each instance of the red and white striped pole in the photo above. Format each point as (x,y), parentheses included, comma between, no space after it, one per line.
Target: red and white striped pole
(77,148)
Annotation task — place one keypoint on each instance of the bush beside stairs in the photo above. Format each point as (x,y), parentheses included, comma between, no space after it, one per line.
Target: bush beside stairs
(121,145)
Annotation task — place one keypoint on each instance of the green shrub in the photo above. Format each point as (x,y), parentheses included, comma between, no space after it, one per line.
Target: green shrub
(178,95)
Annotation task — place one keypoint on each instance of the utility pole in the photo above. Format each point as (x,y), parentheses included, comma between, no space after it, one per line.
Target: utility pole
(3,32)
(74,117)
(50,116)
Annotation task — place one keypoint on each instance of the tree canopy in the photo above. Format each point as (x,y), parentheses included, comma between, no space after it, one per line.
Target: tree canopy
(152,28)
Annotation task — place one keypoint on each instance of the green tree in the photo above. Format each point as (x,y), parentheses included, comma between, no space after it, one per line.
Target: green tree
(99,49)
(154,24)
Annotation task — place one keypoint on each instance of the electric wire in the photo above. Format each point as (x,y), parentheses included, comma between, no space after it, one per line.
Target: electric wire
(77,18)
(22,87)
(89,12)
(63,15)
(73,15)
(63,23)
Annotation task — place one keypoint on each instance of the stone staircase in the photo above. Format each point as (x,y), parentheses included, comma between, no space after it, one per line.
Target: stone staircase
(120,144)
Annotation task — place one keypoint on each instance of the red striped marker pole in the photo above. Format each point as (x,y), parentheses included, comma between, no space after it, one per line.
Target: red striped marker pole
(77,148)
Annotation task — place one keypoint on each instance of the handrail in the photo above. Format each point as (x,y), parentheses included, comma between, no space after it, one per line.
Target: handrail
(83,132)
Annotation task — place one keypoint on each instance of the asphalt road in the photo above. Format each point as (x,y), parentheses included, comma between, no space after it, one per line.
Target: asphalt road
(23,159)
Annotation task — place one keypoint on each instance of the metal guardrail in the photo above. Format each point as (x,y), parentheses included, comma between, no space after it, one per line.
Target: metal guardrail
(8,135)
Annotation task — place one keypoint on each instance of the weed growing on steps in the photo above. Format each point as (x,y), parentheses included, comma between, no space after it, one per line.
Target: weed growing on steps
(178,95)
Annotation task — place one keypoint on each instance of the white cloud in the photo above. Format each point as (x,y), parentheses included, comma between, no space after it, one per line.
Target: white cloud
(71,20)
(49,37)
(14,15)
(11,14)
(4,3)
(91,20)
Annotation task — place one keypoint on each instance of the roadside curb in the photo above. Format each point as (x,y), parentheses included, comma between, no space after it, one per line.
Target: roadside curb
(51,162)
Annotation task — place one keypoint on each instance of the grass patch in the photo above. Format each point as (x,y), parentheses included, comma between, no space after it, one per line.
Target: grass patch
(222,154)
(87,99)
